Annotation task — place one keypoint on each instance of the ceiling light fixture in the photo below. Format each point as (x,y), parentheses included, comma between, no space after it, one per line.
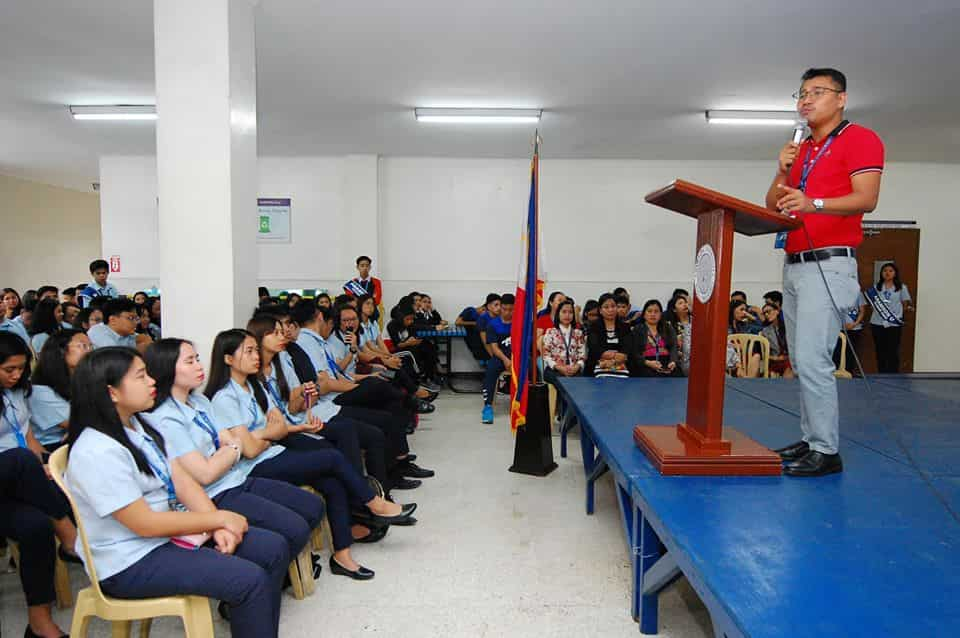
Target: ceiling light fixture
(754,118)
(115,112)
(478,116)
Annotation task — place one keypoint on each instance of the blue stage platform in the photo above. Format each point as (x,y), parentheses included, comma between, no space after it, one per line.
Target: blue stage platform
(874,551)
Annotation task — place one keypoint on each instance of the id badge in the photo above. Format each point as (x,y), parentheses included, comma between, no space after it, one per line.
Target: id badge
(781,240)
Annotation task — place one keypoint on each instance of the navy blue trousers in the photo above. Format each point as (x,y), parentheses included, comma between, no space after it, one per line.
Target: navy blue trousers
(327,471)
(250,581)
(277,506)
(490,377)
(28,500)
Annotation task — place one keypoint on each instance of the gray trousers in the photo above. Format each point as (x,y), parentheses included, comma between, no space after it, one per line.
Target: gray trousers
(812,329)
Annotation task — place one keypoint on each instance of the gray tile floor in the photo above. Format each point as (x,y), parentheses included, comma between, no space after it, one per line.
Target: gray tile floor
(494,554)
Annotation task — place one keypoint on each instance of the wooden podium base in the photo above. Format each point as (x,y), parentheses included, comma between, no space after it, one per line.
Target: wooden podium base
(681,451)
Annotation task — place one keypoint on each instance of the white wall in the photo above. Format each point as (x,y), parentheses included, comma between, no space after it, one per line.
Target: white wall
(451,227)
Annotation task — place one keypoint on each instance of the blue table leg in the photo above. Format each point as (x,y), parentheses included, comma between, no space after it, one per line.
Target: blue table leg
(598,470)
(650,552)
(565,426)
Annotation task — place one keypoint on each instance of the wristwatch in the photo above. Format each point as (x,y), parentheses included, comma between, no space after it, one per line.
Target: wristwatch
(818,204)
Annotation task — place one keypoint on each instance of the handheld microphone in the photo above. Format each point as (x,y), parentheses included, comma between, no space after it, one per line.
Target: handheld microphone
(799,130)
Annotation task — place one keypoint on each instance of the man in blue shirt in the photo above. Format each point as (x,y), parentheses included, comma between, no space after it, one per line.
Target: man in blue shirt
(118,327)
(99,269)
(492,310)
(498,342)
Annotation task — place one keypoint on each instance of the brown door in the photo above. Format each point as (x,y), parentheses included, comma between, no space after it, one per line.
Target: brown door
(899,243)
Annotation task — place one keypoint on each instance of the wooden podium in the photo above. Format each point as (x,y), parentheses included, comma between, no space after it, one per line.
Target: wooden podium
(702,445)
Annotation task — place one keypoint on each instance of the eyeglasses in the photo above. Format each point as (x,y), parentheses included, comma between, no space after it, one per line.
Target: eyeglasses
(816,92)
(83,347)
(130,317)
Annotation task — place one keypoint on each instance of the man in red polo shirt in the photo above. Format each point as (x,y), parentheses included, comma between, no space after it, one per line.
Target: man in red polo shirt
(829,181)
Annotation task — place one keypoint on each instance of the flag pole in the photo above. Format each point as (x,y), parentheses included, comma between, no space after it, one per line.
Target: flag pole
(536,230)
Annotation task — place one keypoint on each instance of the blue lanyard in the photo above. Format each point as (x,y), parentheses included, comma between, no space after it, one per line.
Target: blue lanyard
(204,422)
(254,408)
(162,471)
(808,165)
(330,360)
(275,395)
(12,419)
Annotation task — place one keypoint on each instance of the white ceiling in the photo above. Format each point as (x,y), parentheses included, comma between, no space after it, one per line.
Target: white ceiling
(617,79)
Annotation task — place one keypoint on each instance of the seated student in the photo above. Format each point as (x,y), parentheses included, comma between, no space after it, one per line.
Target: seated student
(263,293)
(144,325)
(363,402)
(32,508)
(87,318)
(430,315)
(739,295)
(740,321)
(657,352)
(625,312)
(611,350)
(293,299)
(47,320)
(400,329)
(9,320)
(152,530)
(241,405)
(633,311)
(776,333)
(12,305)
(493,311)
(214,458)
(545,317)
(323,300)
(70,312)
(119,327)
(590,315)
(68,295)
(775,297)
(498,339)
(680,319)
(50,400)
(140,298)
(469,320)
(155,314)
(48,292)
(99,287)
(564,345)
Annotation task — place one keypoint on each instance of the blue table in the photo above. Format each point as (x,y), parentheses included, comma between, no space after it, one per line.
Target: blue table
(874,551)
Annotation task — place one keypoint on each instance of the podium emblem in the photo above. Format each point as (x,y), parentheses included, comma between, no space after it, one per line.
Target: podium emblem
(706,273)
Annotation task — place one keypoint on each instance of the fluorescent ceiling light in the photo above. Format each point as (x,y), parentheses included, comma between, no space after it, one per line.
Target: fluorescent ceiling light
(754,118)
(115,112)
(478,116)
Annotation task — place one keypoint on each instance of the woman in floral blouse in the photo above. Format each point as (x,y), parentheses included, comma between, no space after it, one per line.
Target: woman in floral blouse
(564,346)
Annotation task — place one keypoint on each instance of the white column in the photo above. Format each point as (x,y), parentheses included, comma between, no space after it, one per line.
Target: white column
(361,195)
(206,165)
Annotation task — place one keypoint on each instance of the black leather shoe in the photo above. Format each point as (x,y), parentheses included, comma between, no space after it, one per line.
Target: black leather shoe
(399,519)
(793,451)
(361,574)
(412,470)
(224,610)
(406,484)
(411,458)
(425,408)
(431,396)
(409,521)
(375,536)
(814,464)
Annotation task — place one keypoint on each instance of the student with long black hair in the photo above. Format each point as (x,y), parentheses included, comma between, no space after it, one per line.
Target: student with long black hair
(47,318)
(213,457)
(152,530)
(50,400)
(890,301)
(240,404)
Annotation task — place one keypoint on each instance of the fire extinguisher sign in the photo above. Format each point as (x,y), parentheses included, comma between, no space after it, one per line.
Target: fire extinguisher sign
(114,263)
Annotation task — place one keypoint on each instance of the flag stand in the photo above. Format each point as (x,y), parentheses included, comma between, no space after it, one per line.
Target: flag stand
(533,447)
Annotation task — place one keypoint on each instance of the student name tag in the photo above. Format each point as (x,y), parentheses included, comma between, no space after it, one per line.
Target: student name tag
(781,240)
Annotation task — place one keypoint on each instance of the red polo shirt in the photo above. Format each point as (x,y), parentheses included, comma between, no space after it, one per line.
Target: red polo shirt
(854,150)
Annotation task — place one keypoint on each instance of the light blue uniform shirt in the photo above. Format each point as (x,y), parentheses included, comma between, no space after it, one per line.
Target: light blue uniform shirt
(369,333)
(339,350)
(37,341)
(183,432)
(47,411)
(103,478)
(101,336)
(16,327)
(894,300)
(233,407)
(313,344)
(15,417)
(93,290)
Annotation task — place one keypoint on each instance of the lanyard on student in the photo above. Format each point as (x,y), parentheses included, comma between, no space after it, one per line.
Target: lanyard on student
(162,470)
(254,411)
(204,422)
(334,366)
(566,342)
(12,419)
(275,395)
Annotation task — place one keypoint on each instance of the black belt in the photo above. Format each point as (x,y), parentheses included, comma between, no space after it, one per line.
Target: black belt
(820,255)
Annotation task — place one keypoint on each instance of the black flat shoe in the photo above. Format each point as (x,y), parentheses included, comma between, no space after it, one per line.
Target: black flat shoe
(814,464)
(412,470)
(224,610)
(425,408)
(399,519)
(374,536)
(411,458)
(793,451)
(28,633)
(361,574)
(317,565)
(410,521)
(67,557)
(431,396)
(406,484)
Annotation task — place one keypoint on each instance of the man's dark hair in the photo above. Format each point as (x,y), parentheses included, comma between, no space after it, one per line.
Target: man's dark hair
(492,297)
(305,311)
(364,258)
(838,78)
(99,264)
(275,310)
(738,293)
(69,291)
(507,300)
(116,306)
(42,290)
(620,290)
(775,296)
(621,300)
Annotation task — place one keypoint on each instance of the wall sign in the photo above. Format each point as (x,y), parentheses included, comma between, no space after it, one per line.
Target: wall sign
(273,220)
(114,263)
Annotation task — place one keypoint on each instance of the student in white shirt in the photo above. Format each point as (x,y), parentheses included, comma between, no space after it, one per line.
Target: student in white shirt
(32,508)
(47,320)
(119,327)
(152,530)
(99,270)
(891,301)
(50,399)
